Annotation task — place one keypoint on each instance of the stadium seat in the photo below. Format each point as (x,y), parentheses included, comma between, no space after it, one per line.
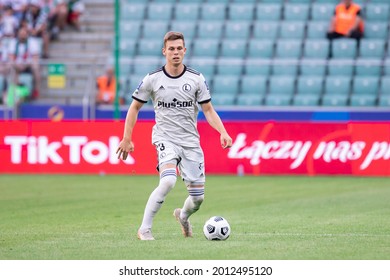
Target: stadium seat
(300,1)
(220,1)
(384,101)
(368,67)
(237,29)
(306,100)
(281,85)
(379,1)
(371,48)
(154,29)
(322,11)
(150,47)
(268,12)
(223,100)
(278,100)
(210,29)
(385,86)
(125,66)
(316,48)
(328,1)
(259,67)
(334,100)
(377,12)
(250,100)
(204,65)
(272,1)
(213,11)
(286,48)
(241,11)
(386,66)
(375,30)
(344,48)
(159,11)
(225,85)
(233,48)
(310,85)
(206,47)
(254,85)
(229,66)
(365,85)
(128,47)
(130,29)
(144,65)
(295,12)
(313,67)
(132,11)
(317,29)
(261,48)
(339,86)
(186,12)
(292,30)
(283,67)
(188,28)
(244,1)
(340,67)
(363,100)
(266,30)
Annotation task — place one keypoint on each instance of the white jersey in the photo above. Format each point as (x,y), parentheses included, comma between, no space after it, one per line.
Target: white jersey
(175,101)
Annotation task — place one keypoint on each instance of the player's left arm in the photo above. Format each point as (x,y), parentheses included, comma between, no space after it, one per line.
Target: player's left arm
(215,122)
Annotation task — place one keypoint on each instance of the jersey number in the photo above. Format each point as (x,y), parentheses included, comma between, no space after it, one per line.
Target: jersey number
(161,146)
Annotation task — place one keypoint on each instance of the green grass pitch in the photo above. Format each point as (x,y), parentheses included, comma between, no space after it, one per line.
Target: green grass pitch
(96,217)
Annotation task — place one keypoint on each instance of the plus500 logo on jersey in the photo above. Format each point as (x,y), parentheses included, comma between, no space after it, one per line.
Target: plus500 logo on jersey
(174,104)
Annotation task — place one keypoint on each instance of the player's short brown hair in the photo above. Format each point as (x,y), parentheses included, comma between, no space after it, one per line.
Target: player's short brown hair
(173,35)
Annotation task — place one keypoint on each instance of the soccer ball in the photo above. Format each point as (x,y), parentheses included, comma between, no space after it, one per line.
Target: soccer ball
(216,228)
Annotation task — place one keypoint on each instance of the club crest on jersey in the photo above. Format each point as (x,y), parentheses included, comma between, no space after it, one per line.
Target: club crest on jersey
(174,104)
(186,87)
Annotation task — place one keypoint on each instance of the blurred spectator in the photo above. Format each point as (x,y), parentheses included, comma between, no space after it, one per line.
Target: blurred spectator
(347,21)
(24,56)
(76,9)
(19,7)
(57,11)
(9,22)
(106,87)
(35,20)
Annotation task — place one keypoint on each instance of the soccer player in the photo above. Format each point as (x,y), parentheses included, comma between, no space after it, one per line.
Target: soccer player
(176,90)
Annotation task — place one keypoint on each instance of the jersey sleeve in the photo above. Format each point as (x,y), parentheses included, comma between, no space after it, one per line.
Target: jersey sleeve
(203,94)
(143,92)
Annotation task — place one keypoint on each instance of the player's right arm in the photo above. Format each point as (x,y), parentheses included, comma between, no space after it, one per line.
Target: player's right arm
(140,96)
(126,146)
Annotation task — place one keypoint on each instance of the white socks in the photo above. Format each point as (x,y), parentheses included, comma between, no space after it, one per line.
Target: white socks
(157,197)
(192,203)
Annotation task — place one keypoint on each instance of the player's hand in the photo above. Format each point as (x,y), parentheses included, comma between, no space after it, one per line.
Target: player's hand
(125,147)
(226,140)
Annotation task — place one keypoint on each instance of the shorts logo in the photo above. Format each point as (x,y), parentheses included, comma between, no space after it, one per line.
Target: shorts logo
(186,87)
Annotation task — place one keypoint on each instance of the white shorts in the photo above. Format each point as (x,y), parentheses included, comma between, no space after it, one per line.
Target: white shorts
(190,161)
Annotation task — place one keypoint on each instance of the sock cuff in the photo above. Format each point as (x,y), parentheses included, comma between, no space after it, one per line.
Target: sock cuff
(196,191)
(168,172)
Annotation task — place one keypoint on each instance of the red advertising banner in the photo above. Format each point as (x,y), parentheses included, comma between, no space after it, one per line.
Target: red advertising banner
(258,148)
